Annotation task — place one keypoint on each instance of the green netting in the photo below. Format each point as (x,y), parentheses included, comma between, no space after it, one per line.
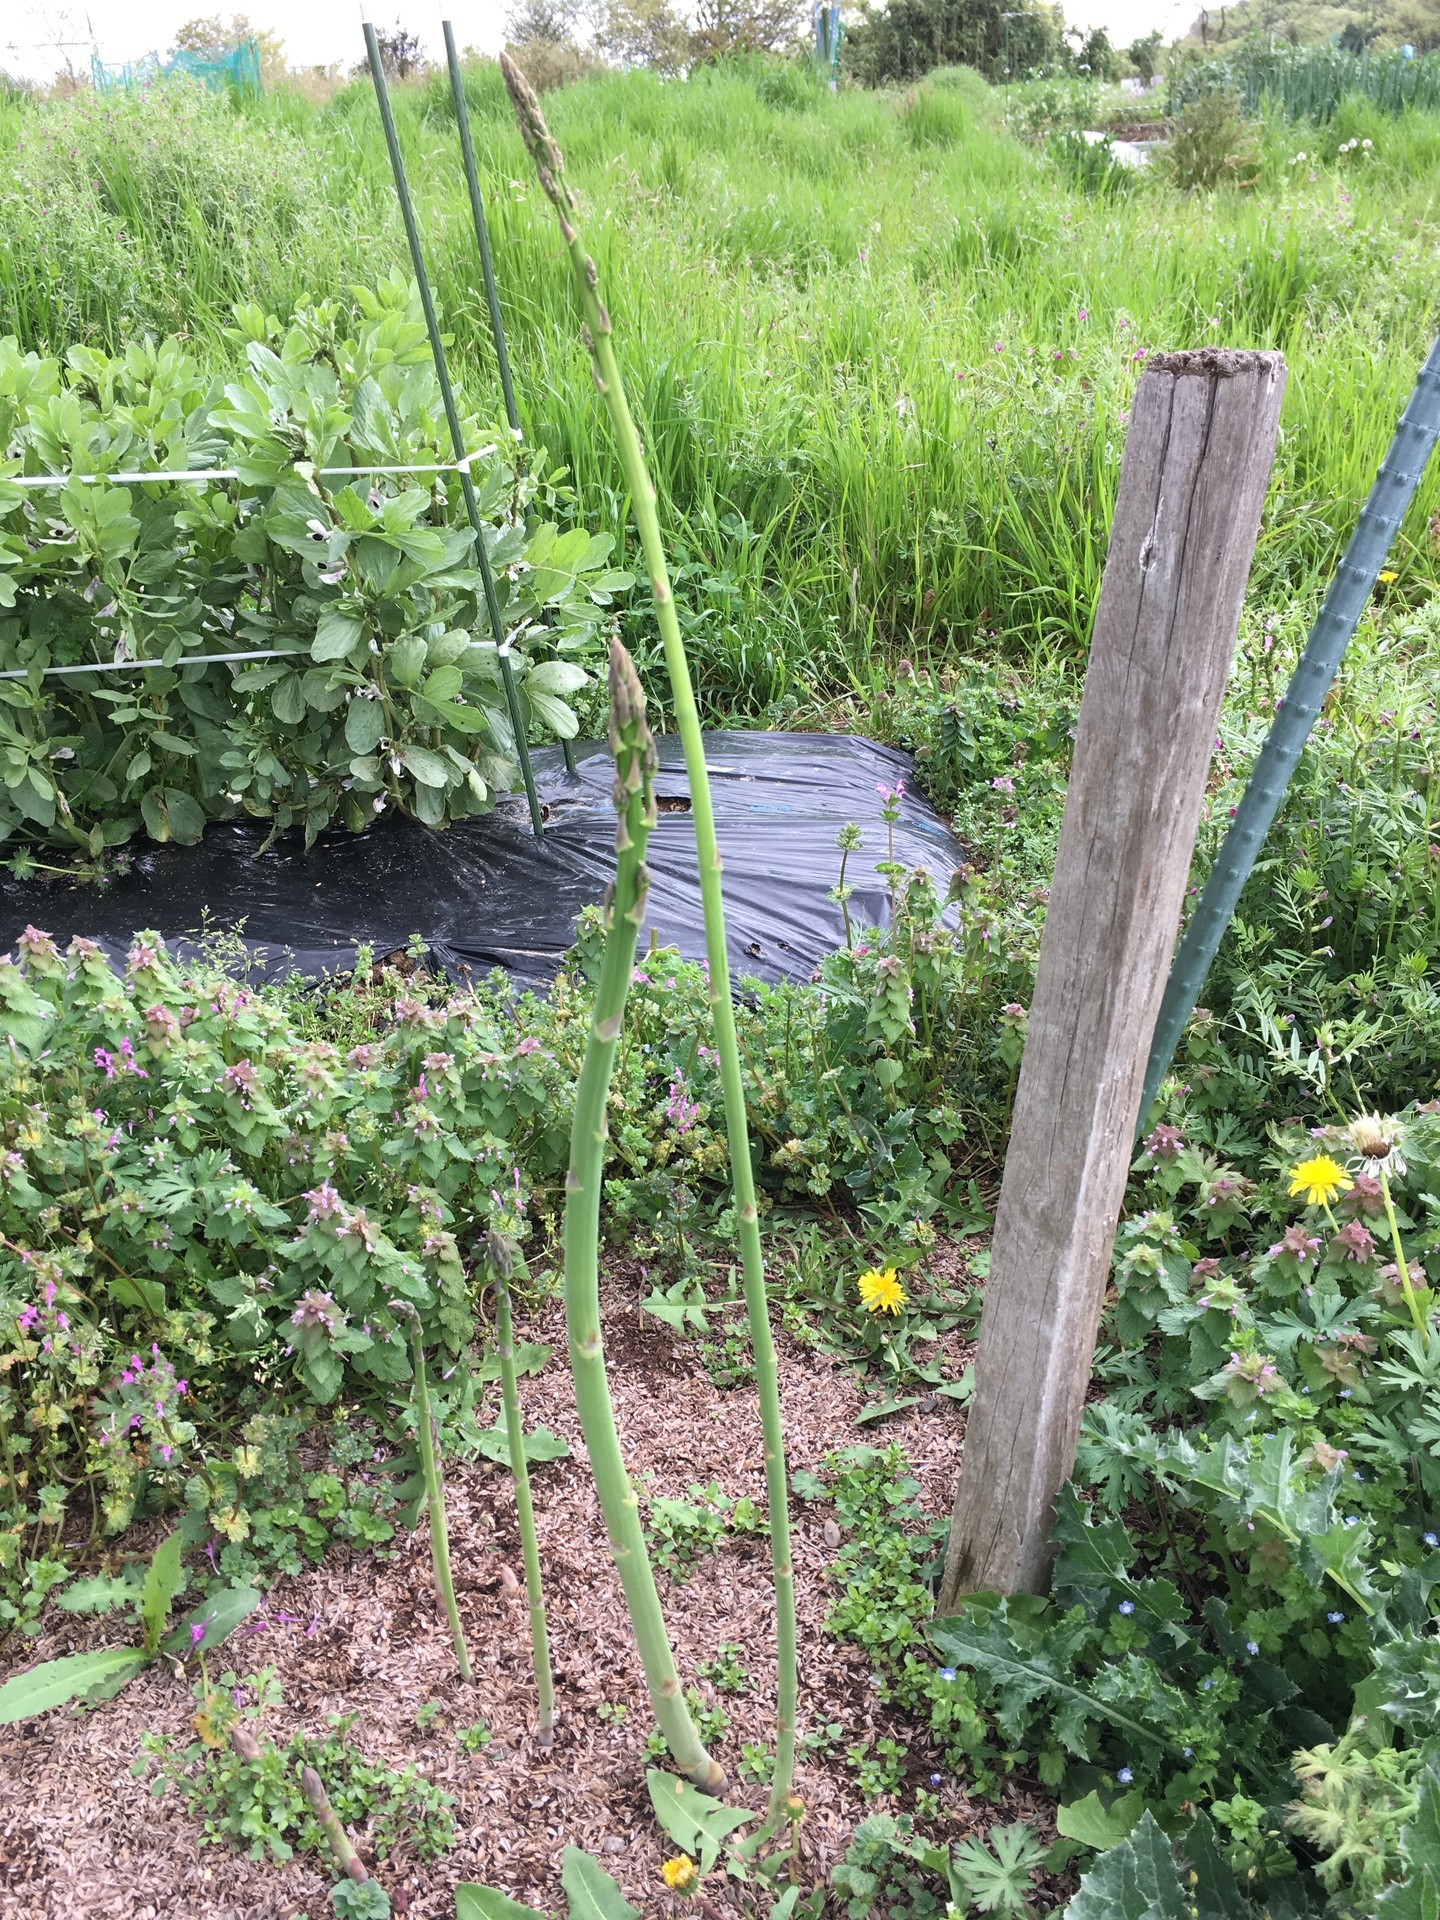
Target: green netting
(240,68)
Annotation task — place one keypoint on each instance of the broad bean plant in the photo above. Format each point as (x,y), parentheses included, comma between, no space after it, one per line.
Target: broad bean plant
(388,695)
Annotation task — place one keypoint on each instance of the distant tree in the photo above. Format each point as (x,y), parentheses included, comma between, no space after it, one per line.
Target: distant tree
(401,53)
(907,38)
(554,23)
(1095,55)
(748,26)
(1144,54)
(209,38)
(645,33)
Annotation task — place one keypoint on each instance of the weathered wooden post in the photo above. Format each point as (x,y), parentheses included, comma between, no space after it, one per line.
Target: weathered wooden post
(1197,460)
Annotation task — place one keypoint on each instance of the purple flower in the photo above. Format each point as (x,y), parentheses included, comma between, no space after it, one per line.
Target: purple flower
(197,1633)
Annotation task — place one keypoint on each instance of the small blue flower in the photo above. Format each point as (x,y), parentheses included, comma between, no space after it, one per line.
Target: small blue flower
(1188,1753)
(1252,1646)
(1431,1539)
(937,1779)
(1344,1393)
(947,1673)
(1207,1683)
(1124,1776)
(1334,1618)
(1126,1606)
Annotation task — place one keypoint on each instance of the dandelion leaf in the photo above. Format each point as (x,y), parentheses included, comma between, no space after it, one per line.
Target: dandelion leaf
(592,1894)
(696,1823)
(79,1676)
(488,1903)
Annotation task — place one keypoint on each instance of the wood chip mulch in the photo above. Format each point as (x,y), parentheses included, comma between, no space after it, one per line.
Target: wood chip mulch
(80,1836)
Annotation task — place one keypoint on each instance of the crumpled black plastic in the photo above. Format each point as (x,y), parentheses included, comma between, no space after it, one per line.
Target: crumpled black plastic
(485,893)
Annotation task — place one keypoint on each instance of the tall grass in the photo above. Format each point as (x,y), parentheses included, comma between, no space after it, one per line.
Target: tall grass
(882,350)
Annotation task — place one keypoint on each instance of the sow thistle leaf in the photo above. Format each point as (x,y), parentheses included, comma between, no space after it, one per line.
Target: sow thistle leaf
(1408,1670)
(696,1823)
(99,1594)
(79,1676)
(592,1894)
(1023,1677)
(163,1580)
(1138,1880)
(540,1446)
(530,1357)
(1418,1897)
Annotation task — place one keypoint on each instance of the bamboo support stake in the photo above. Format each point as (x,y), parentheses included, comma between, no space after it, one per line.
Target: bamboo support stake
(501,1261)
(487,264)
(1197,460)
(452,417)
(599,341)
(634,752)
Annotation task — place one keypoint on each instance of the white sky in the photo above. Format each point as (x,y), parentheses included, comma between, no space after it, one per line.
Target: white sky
(33,33)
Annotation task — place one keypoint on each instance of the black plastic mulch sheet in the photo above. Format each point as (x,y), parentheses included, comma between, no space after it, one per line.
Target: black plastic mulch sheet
(485,893)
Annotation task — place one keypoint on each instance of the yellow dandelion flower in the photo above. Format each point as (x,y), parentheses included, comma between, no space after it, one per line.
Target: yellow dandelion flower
(1319,1179)
(678,1873)
(1387,576)
(881,1292)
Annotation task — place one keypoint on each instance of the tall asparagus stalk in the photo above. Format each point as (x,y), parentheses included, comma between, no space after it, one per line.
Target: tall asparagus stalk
(435,1500)
(501,1261)
(634,752)
(549,165)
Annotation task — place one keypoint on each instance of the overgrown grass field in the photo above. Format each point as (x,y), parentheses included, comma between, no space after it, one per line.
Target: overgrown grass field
(883,349)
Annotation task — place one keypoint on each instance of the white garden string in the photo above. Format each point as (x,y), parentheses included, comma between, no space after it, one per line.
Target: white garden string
(201,474)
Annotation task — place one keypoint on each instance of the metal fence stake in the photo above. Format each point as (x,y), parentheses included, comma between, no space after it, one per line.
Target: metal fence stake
(487,263)
(1339,615)
(437,348)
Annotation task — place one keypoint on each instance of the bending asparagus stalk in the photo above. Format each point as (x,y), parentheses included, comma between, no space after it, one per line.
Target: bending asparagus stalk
(501,1260)
(435,1500)
(597,332)
(634,752)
